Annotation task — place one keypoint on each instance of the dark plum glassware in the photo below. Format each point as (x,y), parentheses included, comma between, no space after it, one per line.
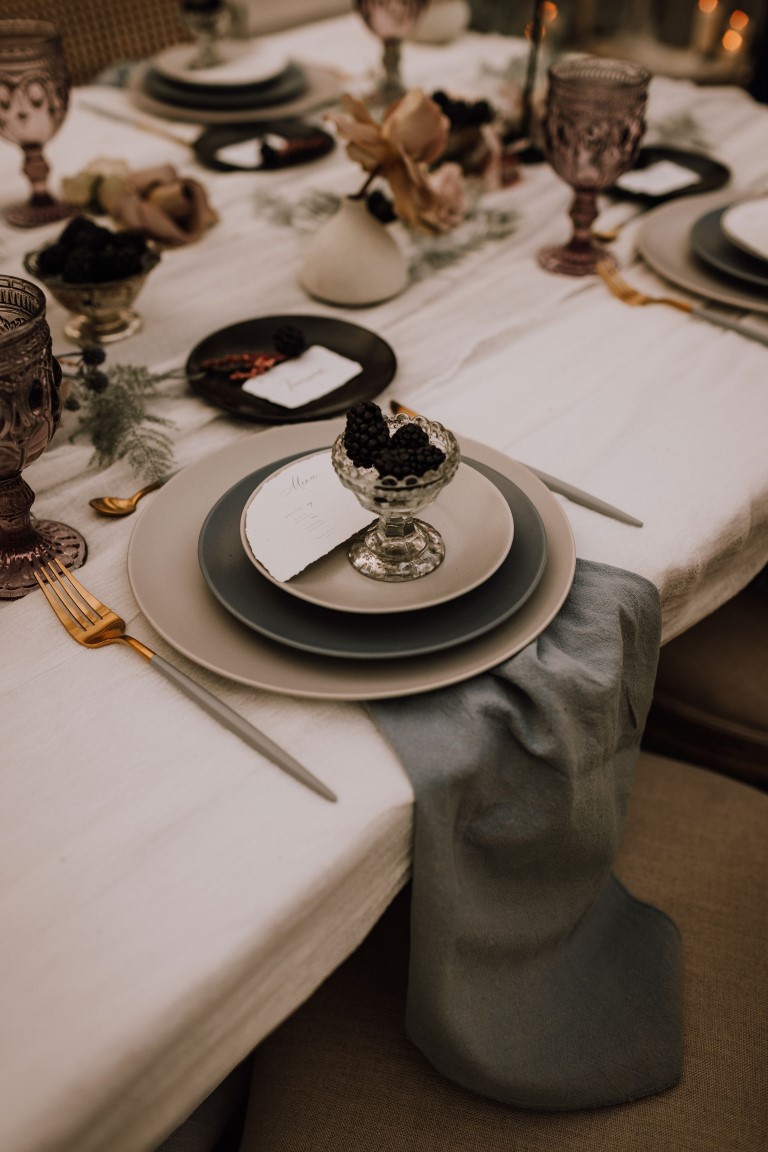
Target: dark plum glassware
(593,125)
(34,97)
(30,410)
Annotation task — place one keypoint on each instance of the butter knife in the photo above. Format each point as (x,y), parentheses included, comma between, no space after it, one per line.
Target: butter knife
(561,487)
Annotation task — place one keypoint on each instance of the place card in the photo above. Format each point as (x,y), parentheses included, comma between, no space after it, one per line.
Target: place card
(244,154)
(299,514)
(294,383)
(658,179)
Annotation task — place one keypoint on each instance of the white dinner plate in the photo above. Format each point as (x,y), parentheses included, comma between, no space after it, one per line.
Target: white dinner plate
(477,528)
(664,242)
(746,226)
(173,595)
(246,62)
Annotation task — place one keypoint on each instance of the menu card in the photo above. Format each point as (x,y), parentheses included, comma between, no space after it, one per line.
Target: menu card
(301,513)
(295,383)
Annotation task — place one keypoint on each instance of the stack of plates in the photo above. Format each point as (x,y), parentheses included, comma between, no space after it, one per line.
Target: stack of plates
(714,247)
(255,82)
(331,633)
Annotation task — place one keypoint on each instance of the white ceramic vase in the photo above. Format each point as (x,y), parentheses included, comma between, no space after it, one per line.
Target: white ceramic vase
(352,259)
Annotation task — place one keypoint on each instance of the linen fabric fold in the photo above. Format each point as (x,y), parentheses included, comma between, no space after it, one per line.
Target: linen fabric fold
(535,977)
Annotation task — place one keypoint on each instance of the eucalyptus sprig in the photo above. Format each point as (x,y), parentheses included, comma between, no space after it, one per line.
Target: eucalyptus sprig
(112,403)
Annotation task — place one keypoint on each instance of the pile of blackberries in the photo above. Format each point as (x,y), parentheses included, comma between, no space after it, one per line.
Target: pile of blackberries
(407,452)
(464,113)
(86,253)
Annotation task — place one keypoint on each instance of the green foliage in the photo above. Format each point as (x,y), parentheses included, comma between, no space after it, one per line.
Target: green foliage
(120,427)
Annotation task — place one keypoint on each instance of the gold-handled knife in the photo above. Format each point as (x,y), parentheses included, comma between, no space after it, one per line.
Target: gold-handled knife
(562,487)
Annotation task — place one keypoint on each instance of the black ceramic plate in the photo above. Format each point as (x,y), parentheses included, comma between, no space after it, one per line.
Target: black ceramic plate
(376,358)
(287,86)
(711,245)
(712,174)
(303,142)
(261,605)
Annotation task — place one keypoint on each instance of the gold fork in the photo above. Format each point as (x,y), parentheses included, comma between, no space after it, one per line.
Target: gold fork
(624,291)
(94,625)
(607,271)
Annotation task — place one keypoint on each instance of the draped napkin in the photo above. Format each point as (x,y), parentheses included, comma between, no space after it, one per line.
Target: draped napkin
(535,977)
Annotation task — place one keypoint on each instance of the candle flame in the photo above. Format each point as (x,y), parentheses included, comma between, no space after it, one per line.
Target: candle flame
(707,6)
(732,41)
(548,11)
(738,20)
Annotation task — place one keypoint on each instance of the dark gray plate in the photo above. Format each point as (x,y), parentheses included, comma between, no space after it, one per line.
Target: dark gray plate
(261,605)
(287,86)
(711,245)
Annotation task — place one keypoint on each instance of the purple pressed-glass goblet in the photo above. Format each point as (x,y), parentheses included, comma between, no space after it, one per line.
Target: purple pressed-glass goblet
(391,21)
(593,125)
(30,409)
(34,96)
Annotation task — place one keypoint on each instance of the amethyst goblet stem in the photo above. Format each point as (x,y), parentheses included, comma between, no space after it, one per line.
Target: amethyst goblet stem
(34,96)
(30,410)
(593,126)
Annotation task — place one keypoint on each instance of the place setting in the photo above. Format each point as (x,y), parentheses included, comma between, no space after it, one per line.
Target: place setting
(282,564)
(703,246)
(227,80)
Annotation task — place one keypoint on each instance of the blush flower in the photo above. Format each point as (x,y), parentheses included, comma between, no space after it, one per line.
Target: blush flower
(412,135)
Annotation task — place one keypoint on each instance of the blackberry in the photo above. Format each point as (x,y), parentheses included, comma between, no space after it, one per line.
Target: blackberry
(426,459)
(410,436)
(380,206)
(51,260)
(79,268)
(289,341)
(96,381)
(81,232)
(366,433)
(396,462)
(93,354)
(112,264)
(402,462)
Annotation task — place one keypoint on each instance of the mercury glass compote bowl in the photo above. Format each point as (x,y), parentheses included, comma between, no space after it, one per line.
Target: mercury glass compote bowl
(34,97)
(593,126)
(30,410)
(391,21)
(398,547)
(103,312)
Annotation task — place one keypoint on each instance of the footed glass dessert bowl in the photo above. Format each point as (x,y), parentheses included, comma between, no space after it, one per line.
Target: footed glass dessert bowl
(103,311)
(396,466)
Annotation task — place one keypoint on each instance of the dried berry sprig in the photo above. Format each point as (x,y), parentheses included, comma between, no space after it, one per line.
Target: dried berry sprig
(289,342)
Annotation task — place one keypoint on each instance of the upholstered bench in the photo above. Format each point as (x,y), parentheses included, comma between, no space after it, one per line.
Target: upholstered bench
(341,1076)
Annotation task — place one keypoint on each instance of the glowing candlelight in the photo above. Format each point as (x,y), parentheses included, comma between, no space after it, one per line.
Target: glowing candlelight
(707,21)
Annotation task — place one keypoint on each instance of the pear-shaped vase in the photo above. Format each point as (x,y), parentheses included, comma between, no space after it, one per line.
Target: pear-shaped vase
(352,260)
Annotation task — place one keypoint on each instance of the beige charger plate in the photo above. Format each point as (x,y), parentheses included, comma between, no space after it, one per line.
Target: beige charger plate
(322,88)
(664,242)
(174,597)
(474,521)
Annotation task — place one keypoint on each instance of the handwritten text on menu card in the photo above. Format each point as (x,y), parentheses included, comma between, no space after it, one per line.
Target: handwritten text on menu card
(301,513)
(294,383)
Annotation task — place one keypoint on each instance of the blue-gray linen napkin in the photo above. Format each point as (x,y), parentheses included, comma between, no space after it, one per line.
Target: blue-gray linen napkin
(535,977)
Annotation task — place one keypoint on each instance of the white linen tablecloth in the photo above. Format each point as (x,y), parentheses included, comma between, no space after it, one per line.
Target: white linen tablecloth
(167,895)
